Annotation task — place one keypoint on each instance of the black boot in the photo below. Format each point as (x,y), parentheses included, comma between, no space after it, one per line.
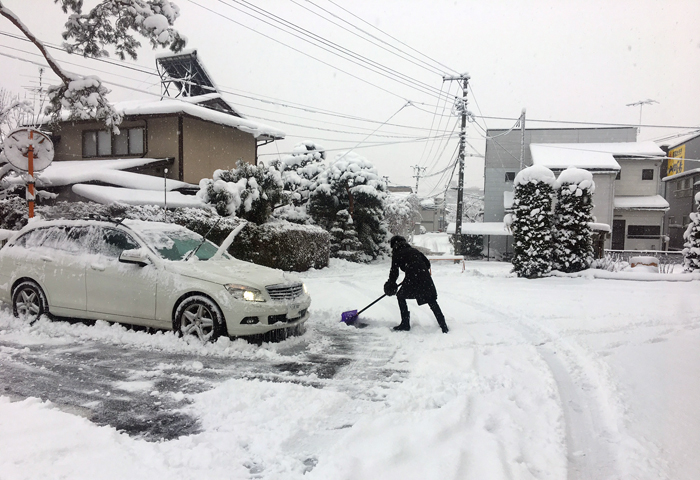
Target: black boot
(405,324)
(439,316)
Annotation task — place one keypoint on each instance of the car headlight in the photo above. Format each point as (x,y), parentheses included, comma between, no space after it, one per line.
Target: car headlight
(241,292)
(306,290)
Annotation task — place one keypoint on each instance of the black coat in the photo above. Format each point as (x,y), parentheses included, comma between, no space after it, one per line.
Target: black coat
(417,283)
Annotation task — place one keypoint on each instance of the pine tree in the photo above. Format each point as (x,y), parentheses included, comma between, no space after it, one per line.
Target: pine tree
(573,243)
(301,169)
(691,252)
(352,183)
(344,241)
(532,221)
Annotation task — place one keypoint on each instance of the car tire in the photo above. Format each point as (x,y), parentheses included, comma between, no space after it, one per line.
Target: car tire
(199,316)
(29,300)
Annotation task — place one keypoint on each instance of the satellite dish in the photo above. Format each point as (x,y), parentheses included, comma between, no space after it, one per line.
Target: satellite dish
(16,149)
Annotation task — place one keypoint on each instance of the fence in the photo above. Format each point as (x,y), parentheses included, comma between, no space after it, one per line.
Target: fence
(665,257)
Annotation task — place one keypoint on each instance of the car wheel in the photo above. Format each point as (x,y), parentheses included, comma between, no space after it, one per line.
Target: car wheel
(199,316)
(29,301)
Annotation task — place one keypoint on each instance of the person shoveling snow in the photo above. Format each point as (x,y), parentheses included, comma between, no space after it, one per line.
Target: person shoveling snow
(417,283)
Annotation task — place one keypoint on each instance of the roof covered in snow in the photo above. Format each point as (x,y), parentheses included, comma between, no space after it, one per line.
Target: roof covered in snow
(173,106)
(130,196)
(591,156)
(681,175)
(678,140)
(63,173)
(482,228)
(650,202)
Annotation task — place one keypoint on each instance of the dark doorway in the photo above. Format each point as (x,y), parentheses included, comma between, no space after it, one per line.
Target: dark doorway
(618,235)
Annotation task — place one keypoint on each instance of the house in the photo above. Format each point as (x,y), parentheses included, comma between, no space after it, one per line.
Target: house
(626,173)
(191,135)
(680,184)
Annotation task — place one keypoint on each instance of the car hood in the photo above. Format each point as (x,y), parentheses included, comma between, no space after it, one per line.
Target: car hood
(225,271)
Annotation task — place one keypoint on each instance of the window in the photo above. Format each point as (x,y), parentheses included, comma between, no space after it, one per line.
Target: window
(101,143)
(648,174)
(643,231)
(111,242)
(510,176)
(618,176)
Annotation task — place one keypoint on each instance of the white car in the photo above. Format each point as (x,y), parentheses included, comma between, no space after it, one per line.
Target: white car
(145,273)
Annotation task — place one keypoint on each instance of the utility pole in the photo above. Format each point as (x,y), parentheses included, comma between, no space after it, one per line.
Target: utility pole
(418,170)
(461,107)
(522,139)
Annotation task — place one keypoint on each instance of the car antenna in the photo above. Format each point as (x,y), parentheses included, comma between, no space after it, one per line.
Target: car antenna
(204,239)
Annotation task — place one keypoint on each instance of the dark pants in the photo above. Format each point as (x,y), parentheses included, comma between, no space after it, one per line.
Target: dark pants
(406,317)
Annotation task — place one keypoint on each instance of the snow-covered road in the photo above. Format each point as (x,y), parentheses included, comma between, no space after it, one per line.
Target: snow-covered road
(548,379)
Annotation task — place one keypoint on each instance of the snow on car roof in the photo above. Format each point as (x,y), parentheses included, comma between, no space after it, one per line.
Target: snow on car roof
(132,196)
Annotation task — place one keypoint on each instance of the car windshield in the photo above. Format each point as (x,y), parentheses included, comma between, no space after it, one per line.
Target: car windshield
(177,244)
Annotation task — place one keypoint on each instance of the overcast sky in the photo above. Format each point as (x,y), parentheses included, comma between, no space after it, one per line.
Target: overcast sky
(563,61)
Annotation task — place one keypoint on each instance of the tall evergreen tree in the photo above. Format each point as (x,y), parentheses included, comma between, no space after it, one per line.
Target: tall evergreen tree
(691,252)
(532,221)
(352,183)
(344,242)
(573,243)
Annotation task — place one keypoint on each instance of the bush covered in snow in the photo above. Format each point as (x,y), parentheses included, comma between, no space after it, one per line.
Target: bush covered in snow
(691,252)
(531,221)
(352,183)
(573,244)
(401,213)
(472,245)
(248,191)
(13,213)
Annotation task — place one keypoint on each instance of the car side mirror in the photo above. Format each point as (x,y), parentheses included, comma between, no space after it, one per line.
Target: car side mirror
(136,256)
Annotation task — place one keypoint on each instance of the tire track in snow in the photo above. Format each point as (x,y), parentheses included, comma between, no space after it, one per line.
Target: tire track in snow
(590,428)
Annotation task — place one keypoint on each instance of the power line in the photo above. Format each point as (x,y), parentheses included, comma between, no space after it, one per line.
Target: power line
(393,38)
(574,122)
(412,59)
(333,48)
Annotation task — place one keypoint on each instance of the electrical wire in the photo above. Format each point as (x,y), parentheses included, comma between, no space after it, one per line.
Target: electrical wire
(328,46)
(393,38)
(401,54)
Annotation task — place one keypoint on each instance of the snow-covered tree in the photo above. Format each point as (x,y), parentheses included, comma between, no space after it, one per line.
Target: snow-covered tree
(401,213)
(344,241)
(301,169)
(352,183)
(531,221)
(248,191)
(691,250)
(573,243)
(109,22)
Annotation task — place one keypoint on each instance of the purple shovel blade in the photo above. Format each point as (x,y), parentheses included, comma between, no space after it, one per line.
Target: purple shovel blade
(349,317)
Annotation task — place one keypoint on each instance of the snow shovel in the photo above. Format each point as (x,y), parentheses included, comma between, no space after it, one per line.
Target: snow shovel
(350,317)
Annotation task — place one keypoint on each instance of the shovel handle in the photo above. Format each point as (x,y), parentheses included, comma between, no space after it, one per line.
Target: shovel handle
(358,313)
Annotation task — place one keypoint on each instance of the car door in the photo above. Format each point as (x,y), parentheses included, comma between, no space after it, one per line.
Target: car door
(62,257)
(119,291)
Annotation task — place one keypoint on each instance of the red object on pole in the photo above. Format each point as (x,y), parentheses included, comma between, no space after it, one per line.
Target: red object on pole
(30,185)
